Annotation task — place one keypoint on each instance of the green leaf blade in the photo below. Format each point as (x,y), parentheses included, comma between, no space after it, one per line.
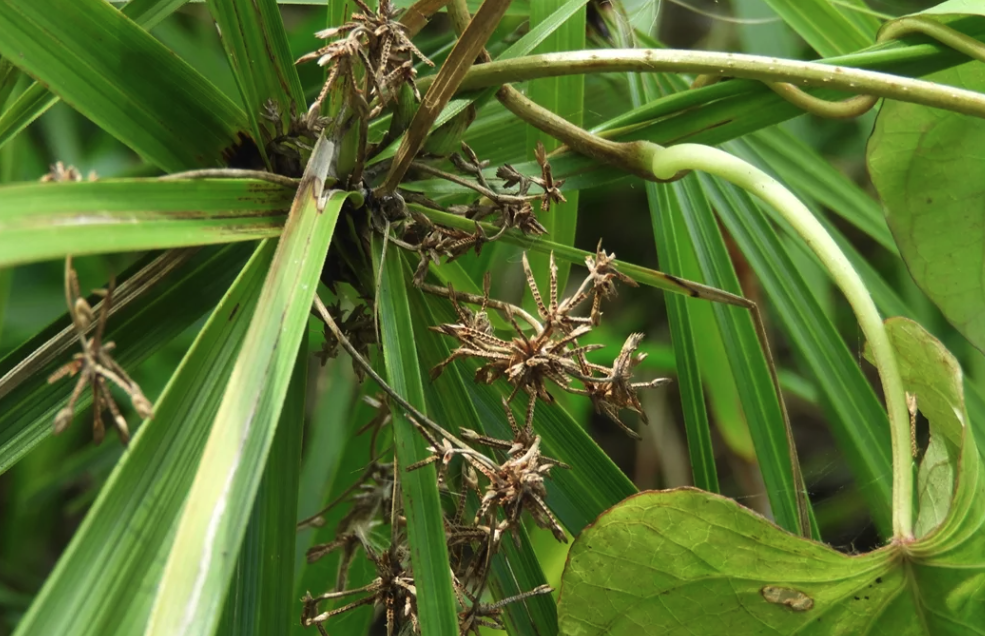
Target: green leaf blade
(198,573)
(28,403)
(422,506)
(707,565)
(41,221)
(172,116)
(260,600)
(860,425)
(107,576)
(256,46)
(564,96)
(911,158)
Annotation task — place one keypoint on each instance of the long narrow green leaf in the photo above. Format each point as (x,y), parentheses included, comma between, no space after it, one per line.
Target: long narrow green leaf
(860,422)
(759,399)
(256,45)
(211,529)
(564,96)
(663,206)
(6,282)
(37,99)
(193,288)
(325,441)
(419,489)
(123,79)
(662,201)
(28,106)
(823,26)
(450,404)
(106,580)
(40,221)
(260,600)
(149,13)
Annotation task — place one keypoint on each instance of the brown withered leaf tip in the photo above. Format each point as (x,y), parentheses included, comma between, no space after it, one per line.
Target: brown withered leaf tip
(95,366)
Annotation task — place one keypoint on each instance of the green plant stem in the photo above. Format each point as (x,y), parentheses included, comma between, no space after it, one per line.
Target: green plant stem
(669,161)
(765,69)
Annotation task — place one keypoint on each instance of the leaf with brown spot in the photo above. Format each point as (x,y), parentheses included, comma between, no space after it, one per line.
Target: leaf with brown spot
(689,562)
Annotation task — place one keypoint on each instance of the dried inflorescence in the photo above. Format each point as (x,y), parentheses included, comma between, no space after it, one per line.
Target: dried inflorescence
(94,365)
(60,173)
(503,491)
(548,351)
(377,43)
(393,589)
(432,242)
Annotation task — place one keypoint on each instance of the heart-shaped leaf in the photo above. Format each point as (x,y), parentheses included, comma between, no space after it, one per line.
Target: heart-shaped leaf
(926,165)
(688,562)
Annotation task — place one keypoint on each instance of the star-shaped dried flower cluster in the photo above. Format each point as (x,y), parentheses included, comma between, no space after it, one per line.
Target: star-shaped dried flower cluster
(379,44)
(94,365)
(514,207)
(547,350)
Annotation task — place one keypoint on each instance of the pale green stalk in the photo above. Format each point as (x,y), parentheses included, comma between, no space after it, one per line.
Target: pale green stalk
(668,162)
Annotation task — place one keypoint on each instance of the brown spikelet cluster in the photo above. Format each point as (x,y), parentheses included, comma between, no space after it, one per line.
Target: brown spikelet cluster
(94,366)
(503,492)
(379,44)
(547,353)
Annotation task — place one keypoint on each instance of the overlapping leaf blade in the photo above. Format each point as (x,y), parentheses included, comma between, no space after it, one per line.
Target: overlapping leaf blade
(41,221)
(260,599)
(859,422)
(130,84)
(212,526)
(28,410)
(564,96)
(449,400)
(256,46)
(419,488)
(106,580)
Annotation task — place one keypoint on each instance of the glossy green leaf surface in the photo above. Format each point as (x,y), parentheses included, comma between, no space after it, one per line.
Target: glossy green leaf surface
(256,46)
(419,489)
(684,562)
(260,600)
